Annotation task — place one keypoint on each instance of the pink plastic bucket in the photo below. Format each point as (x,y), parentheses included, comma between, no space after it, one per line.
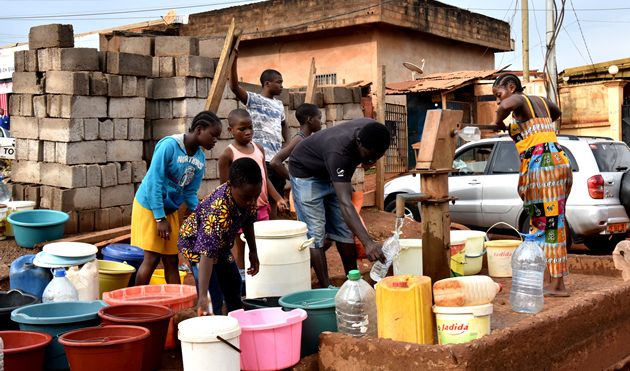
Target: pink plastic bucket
(270,338)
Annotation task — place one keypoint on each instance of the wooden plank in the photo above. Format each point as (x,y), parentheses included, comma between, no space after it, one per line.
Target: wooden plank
(222,72)
(93,237)
(118,239)
(380,164)
(369,199)
(312,84)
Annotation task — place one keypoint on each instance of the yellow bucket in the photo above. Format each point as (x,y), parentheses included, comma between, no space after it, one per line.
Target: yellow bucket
(113,276)
(462,324)
(158,277)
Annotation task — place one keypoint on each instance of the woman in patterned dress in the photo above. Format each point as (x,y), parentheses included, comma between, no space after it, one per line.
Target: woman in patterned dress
(545,177)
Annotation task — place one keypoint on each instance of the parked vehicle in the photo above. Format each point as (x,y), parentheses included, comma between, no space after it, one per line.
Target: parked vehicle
(7,145)
(486,184)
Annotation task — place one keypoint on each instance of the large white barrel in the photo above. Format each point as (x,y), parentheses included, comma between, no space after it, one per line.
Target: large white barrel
(285,259)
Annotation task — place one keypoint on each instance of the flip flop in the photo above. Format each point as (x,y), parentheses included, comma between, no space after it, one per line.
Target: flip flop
(566,295)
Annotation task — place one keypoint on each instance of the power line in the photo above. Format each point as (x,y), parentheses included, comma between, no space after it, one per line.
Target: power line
(542,53)
(583,38)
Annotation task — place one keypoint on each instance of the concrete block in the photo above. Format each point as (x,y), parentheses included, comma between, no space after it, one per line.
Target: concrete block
(211,47)
(188,107)
(176,45)
(93,178)
(72,225)
(189,65)
(115,217)
(114,85)
(120,129)
(126,214)
(319,99)
(337,94)
(61,130)
(27,83)
(92,152)
(23,171)
(335,123)
(129,64)
(50,151)
(135,129)
(292,120)
(75,199)
(356,95)
(174,87)
(65,82)
(225,134)
(152,109)
(17,191)
(149,88)
(167,66)
(228,93)
(254,88)
(148,131)
(352,111)
(207,187)
(165,108)
(25,127)
(19,59)
(124,150)
(86,221)
(35,150)
(109,175)
(26,105)
(225,107)
(90,126)
(46,197)
(67,106)
(165,127)
(59,175)
(39,106)
(137,45)
(138,171)
(106,130)
(102,61)
(130,86)
(44,60)
(14,104)
(211,171)
(284,97)
(101,219)
(51,36)
(219,147)
(142,87)
(71,59)
(33,193)
(156,67)
(117,196)
(126,108)
(334,112)
(203,87)
(124,172)
(148,147)
(21,149)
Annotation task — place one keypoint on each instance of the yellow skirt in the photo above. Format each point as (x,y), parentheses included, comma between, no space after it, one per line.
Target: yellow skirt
(144,231)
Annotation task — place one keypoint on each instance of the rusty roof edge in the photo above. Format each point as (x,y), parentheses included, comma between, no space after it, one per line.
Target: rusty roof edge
(390,90)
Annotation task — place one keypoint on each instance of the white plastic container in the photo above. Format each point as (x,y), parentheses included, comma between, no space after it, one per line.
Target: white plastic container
(285,261)
(500,257)
(60,288)
(202,350)
(462,324)
(85,280)
(409,259)
(465,291)
(14,207)
(474,250)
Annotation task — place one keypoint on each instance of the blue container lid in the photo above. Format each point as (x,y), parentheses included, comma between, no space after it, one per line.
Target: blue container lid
(58,312)
(123,251)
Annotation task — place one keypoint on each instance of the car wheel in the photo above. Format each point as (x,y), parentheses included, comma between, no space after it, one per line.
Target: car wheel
(411,210)
(525,230)
(604,244)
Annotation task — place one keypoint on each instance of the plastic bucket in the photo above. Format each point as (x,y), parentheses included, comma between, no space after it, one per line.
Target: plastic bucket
(24,350)
(458,256)
(113,276)
(14,207)
(462,324)
(473,251)
(210,343)
(155,318)
(125,253)
(57,318)
(500,257)
(270,338)
(409,260)
(158,277)
(319,305)
(10,301)
(31,227)
(105,348)
(261,303)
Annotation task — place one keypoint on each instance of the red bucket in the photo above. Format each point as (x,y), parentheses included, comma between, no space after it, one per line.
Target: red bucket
(106,348)
(24,350)
(155,318)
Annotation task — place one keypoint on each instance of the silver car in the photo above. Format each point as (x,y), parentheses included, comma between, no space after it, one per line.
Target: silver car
(486,185)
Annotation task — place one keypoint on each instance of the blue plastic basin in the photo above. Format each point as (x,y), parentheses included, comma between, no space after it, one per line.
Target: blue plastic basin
(57,318)
(31,227)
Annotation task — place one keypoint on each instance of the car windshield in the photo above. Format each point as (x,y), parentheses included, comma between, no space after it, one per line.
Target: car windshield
(611,157)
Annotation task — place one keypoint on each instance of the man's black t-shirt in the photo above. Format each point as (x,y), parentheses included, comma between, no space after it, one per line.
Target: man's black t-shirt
(329,154)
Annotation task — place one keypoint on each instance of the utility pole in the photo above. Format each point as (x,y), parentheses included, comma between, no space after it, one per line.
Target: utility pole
(525,17)
(552,83)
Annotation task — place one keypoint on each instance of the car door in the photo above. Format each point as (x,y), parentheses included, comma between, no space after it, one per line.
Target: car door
(500,199)
(467,183)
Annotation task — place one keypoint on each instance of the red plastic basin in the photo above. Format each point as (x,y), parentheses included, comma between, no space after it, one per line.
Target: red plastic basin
(24,350)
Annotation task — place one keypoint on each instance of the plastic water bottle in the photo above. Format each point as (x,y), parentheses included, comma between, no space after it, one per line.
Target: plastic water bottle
(391,247)
(60,288)
(528,267)
(355,307)
(470,134)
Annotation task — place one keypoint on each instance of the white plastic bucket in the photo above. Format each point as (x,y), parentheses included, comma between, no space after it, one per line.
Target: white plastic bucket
(458,257)
(500,257)
(409,259)
(14,207)
(462,324)
(202,350)
(474,251)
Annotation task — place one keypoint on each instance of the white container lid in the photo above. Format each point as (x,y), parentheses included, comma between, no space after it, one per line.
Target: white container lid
(475,310)
(279,228)
(70,249)
(458,241)
(206,329)
(467,234)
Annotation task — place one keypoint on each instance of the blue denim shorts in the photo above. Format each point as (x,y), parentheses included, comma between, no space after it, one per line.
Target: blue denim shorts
(317,205)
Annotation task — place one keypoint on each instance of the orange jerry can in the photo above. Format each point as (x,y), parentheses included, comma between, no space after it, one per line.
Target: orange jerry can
(403,306)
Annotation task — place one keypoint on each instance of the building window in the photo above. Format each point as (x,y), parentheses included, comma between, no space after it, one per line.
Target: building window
(326,79)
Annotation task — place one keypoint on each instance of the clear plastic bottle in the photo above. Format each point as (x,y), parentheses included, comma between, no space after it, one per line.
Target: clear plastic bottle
(391,247)
(355,307)
(470,134)
(528,267)
(60,288)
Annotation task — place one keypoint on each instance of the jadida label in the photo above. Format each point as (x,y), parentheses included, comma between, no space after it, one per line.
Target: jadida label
(462,331)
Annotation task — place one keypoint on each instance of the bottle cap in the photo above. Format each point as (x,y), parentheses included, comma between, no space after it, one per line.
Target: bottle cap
(58,272)
(500,286)
(354,275)
(400,284)
(529,237)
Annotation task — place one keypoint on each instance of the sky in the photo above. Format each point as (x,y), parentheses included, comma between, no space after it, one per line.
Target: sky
(605,25)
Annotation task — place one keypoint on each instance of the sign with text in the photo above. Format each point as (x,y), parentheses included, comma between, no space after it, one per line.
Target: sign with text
(7,62)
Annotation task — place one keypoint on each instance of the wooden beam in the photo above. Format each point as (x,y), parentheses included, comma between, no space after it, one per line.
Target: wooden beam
(118,239)
(380,164)
(222,72)
(312,84)
(93,237)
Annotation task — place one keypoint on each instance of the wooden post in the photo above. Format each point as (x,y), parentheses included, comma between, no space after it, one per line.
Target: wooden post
(380,164)
(222,72)
(312,84)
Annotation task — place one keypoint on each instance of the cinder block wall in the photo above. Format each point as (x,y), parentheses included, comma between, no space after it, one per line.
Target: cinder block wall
(86,122)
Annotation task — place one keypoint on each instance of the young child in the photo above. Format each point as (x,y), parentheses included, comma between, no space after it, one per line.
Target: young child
(270,126)
(173,178)
(207,235)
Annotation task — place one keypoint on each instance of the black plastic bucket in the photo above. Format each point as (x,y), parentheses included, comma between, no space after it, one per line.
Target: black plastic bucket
(261,303)
(11,300)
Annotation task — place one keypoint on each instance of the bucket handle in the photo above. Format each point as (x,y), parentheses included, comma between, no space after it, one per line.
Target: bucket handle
(229,344)
(305,304)
(495,224)
(306,244)
(477,256)
(170,311)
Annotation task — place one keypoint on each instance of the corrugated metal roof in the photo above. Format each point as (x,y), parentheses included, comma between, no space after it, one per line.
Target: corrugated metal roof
(437,82)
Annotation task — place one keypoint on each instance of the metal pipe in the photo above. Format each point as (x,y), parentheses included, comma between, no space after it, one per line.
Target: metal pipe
(403,197)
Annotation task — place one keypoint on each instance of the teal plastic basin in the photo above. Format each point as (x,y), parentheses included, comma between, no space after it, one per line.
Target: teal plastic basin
(57,318)
(31,227)
(319,304)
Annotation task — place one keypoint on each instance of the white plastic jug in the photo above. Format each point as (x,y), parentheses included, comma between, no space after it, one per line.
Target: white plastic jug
(204,345)
(85,280)
(465,291)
